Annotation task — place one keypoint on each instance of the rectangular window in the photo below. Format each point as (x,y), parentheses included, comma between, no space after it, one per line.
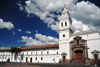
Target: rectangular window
(65,23)
(27,53)
(41,58)
(31,53)
(63,35)
(36,58)
(57,52)
(41,52)
(62,24)
(47,52)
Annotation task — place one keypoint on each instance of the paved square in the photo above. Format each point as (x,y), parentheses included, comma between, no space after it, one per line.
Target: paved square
(18,65)
(9,64)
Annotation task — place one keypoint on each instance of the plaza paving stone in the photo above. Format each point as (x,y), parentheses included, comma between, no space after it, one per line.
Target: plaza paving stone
(10,64)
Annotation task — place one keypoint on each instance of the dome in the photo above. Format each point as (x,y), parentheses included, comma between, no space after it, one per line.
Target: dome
(77,31)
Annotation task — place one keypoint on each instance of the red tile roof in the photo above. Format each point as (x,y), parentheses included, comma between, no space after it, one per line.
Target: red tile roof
(5,50)
(41,47)
(36,47)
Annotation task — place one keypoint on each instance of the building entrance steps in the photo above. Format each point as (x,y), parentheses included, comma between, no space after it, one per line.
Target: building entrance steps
(77,64)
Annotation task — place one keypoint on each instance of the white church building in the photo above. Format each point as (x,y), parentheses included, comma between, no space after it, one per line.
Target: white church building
(72,46)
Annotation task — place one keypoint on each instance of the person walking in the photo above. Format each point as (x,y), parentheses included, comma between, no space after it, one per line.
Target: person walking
(95,63)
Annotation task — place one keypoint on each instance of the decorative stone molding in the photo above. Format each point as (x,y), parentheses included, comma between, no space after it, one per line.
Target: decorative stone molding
(78,44)
(63,53)
(84,33)
(95,51)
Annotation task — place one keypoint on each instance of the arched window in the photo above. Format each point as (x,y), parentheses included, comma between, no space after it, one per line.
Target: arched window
(63,35)
(57,52)
(41,58)
(36,53)
(65,23)
(41,52)
(27,53)
(31,53)
(36,58)
(61,24)
(47,52)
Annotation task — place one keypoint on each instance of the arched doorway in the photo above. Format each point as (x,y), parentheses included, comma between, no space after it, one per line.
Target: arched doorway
(63,58)
(30,60)
(79,55)
(26,59)
(96,57)
(95,54)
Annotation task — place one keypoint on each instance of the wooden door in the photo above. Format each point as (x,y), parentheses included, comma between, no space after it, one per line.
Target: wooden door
(96,58)
(26,59)
(63,58)
(79,57)
(30,60)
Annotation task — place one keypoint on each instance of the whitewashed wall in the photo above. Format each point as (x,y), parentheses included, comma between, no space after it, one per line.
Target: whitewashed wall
(47,58)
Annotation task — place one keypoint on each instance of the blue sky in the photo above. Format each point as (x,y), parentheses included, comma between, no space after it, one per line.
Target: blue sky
(35,22)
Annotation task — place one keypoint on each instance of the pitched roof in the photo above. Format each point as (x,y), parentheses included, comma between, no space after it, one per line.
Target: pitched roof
(5,50)
(84,32)
(41,47)
(36,47)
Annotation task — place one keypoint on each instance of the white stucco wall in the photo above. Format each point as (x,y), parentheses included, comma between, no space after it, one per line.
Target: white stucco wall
(47,58)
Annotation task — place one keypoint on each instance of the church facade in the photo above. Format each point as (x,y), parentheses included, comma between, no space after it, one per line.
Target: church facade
(72,46)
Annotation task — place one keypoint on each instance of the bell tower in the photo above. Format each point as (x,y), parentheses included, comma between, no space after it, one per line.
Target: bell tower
(65,29)
(65,25)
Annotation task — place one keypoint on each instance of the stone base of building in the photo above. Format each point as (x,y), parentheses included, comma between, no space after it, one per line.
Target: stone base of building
(66,61)
(87,61)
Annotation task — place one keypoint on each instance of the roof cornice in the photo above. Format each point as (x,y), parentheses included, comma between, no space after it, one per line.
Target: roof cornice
(84,32)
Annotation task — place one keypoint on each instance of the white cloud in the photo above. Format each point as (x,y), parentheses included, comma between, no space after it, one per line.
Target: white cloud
(19,30)
(13,32)
(39,40)
(55,26)
(78,25)
(7,25)
(29,32)
(85,12)
(4,48)
(45,10)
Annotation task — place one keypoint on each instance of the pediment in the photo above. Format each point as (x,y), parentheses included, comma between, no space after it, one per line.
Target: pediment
(95,51)
(63,53)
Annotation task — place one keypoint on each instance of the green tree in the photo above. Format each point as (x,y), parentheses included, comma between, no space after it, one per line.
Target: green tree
(12,50)
(15,50)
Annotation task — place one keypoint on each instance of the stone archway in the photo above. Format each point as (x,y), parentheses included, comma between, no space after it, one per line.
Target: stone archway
(78,49)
